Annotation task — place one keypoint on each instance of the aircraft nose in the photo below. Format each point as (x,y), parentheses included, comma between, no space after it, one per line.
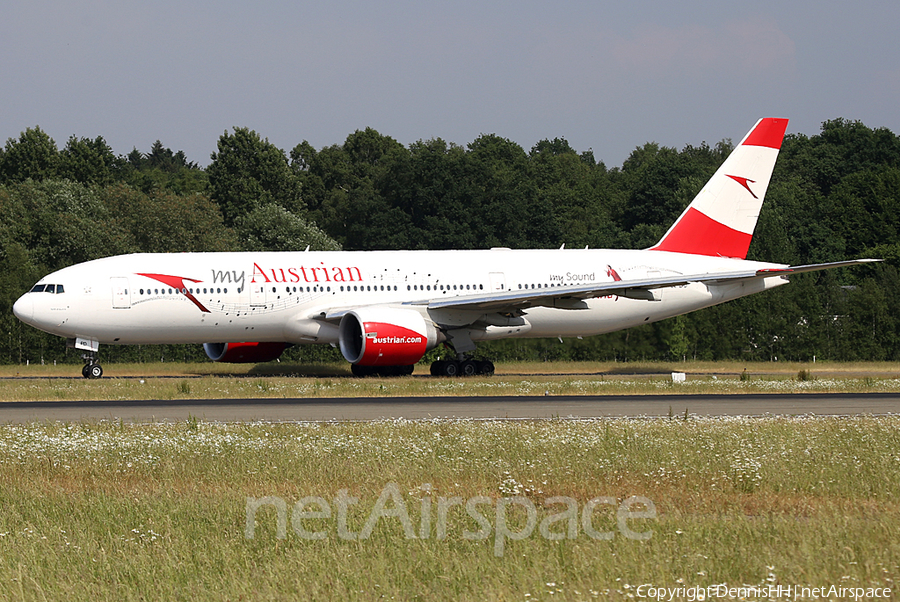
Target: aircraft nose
(23,308)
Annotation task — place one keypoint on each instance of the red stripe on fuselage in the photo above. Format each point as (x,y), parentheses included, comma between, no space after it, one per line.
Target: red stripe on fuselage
(177,282)
(699,234)
(769,132)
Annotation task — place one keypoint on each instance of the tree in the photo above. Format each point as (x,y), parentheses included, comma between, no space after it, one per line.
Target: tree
(67,223)
(579,191)
(248,172)
(505,199)
(162,168)
(660,183)
(164,222)
(33,156)
(273,228)
(89,161)
(347,186)
(429,184)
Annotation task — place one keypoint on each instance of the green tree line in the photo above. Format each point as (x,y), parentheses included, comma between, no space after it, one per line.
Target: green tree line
(833,196)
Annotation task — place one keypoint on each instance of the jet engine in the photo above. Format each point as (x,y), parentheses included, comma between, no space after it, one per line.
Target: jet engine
(244,353)
(386,336)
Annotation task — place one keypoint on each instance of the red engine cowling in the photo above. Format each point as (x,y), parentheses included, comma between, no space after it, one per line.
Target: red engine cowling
(244,353)
(386,336)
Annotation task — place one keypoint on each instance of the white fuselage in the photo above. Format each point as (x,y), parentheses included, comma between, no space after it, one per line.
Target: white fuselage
(289,296)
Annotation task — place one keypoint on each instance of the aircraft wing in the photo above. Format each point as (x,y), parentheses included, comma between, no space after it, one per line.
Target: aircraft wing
(572,297)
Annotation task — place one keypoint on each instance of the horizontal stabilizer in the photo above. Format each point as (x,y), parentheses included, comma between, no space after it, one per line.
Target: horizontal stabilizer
(815,267)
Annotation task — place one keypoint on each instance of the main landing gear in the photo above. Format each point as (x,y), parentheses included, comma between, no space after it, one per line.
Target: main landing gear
(438,368)
(461,344)
(91,368)
(462,368)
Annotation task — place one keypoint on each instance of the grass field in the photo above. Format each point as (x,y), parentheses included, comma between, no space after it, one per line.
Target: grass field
(444,509)
(202,381)
(112,511)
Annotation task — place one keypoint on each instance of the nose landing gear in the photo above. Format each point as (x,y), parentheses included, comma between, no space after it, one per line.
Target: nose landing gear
(91,368)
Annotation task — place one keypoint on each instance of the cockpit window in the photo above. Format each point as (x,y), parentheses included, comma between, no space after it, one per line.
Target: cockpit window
(48,288)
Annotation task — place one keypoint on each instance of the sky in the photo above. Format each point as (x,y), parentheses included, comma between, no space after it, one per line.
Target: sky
(606,76)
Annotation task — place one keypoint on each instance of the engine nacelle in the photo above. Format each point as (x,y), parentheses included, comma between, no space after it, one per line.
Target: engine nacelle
(244,353)
(386,336)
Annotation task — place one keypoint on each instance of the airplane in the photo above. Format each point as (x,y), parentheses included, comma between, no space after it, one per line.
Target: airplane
(386,309)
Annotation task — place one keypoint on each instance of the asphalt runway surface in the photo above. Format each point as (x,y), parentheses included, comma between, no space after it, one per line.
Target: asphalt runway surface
(479,408)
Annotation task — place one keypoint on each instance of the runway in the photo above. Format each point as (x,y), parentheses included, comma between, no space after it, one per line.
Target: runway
(479,408)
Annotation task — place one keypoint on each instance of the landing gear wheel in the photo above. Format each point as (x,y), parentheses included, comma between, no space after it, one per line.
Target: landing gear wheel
(450,368)
(92,370)
(486,367)
(465,368)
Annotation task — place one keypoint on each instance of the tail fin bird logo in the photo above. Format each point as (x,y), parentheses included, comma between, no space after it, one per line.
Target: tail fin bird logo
(745,183)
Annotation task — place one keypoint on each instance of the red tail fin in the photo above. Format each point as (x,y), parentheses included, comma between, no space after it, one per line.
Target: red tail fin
(721,219)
